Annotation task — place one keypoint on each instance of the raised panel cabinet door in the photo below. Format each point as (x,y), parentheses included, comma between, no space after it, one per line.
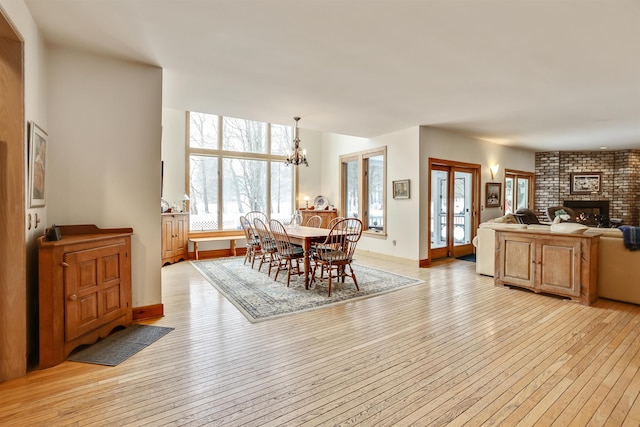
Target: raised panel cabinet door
(92,283)
(517,261)
(181,231)
(560,266)
(167,237)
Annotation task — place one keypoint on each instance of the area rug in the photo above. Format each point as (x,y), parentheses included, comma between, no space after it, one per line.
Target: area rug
(470,257)
(259,297)
(120,345)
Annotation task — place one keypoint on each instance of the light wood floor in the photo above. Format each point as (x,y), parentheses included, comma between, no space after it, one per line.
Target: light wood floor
(453,351)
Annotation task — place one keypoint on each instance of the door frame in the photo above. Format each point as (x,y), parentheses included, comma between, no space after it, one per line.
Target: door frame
(451,165)
(13,252)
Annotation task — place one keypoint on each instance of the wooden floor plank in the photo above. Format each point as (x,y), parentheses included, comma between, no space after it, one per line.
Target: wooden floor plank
(455,350)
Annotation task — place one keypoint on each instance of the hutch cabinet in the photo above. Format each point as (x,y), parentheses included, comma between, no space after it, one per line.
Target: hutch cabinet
(175,237)
(326,215)
(84,288)
(553,263)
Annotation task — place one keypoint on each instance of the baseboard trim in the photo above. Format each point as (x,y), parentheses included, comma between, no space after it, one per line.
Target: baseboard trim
(148,312)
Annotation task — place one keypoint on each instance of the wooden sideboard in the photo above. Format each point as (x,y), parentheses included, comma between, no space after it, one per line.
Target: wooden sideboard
(545,262)
(84,288)
(175,237)
(326,214)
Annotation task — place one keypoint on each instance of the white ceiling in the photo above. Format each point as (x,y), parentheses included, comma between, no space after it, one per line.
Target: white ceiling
(540,74)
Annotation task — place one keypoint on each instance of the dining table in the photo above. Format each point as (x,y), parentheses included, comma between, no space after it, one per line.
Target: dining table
(305,237)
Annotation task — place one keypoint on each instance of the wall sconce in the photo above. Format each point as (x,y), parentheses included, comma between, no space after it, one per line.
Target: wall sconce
(306,200)
(494,170)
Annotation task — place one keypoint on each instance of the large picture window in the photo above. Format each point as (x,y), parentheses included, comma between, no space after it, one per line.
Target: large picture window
(237,166)
(363,188)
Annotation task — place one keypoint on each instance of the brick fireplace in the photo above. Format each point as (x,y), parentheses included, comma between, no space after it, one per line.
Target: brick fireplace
(620,188)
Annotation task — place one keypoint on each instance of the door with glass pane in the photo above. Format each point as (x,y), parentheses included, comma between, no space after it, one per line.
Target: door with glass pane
(452,219)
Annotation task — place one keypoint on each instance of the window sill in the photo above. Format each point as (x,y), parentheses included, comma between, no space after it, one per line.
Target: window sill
(375,234)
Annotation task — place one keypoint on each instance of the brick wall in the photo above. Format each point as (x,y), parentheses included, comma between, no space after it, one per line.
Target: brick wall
(620,180)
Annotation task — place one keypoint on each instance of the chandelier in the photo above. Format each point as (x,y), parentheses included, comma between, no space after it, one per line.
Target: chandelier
(298,156)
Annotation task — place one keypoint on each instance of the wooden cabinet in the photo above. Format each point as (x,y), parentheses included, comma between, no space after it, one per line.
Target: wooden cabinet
(326,215)
(84,288)
(554,263)
(175,237)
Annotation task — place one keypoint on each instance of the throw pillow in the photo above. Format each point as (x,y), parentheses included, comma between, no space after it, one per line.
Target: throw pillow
(568,227)
(506,219)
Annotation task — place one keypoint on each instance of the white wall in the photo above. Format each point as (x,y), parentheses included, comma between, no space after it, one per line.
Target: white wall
(310,178)
(173,154)
(104,154)
(447,145)
(335,145)
(402,163)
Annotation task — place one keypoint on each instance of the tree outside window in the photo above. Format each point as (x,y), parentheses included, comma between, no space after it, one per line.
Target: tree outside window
(237,166)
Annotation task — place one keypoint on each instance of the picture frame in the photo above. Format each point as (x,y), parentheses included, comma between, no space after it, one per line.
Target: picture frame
(493,194)
(401,189)
(37,165)
(586,183)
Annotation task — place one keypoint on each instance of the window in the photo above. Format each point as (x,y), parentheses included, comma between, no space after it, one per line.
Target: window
(374,173)
(363,188)
(518,190)
(237,166)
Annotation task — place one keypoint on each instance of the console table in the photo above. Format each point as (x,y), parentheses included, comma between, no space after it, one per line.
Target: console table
(545,262)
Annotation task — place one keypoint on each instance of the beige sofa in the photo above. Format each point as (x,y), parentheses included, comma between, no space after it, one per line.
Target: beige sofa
(618,267)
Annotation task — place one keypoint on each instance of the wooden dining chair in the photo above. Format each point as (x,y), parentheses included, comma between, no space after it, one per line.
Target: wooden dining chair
(335,254)
(253,242)
(314,221)
(256,214)
(290,256)
(334,220)
(268,248)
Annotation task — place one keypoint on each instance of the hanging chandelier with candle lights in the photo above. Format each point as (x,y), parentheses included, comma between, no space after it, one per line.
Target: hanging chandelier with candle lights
(297,156)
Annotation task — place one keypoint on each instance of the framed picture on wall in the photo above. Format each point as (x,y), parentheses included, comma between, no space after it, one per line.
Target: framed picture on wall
(37,165)
(586,183)
(493,194)
(401,189)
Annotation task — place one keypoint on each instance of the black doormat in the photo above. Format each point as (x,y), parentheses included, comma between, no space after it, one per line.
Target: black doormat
(120,345)
(470,257)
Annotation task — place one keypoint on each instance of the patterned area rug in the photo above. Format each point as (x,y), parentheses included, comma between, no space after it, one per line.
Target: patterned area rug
(259,297)
(120,345)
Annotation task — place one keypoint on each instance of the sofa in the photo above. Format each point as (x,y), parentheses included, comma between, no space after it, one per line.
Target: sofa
(618,267)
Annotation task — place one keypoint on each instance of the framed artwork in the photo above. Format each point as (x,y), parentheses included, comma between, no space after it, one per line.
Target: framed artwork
(401,189)
(493,194)
(586,183)
(37,165)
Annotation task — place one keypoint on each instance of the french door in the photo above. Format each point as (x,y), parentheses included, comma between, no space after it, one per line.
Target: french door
(453,208)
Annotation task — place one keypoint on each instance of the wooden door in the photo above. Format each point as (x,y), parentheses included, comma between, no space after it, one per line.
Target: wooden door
(93,294)
(14,296)
(453,209)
